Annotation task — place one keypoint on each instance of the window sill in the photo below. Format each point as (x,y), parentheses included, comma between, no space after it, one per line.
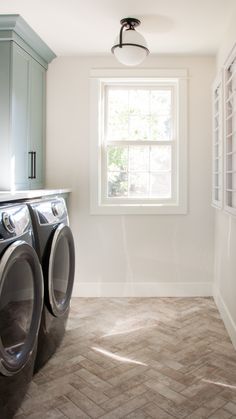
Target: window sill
(138,209)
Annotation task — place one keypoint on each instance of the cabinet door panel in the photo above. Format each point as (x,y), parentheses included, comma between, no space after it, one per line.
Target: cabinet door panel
(19,118)
(37,122)
(5,101)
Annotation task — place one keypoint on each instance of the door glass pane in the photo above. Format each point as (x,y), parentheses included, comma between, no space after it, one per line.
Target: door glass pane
(16,307)
(61,269)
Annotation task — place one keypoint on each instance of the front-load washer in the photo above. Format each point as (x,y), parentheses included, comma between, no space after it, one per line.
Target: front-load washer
(21,301)
(54,245)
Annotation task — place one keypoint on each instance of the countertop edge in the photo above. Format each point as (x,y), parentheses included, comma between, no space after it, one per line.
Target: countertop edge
(8,196)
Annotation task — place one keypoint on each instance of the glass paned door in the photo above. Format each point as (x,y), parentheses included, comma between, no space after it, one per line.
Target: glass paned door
(230,133)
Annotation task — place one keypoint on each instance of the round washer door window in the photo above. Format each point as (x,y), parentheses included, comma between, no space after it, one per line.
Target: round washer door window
(61,270)
(21,299)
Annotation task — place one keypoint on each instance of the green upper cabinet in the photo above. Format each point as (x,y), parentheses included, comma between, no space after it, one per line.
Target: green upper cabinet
(24,58)
(19,117)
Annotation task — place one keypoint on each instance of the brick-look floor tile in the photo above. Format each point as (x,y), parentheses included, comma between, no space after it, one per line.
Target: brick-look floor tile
(138,358)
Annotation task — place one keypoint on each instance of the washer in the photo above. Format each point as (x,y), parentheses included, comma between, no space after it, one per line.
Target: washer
(54,245)
(21,301)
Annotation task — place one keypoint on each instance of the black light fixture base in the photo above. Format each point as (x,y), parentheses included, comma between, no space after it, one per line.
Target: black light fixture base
(128,26)
(130,22)
(129,45)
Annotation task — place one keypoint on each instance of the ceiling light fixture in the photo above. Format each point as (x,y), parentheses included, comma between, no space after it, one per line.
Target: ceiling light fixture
(130,47)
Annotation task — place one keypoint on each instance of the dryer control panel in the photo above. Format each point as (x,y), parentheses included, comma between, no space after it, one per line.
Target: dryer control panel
(50,211)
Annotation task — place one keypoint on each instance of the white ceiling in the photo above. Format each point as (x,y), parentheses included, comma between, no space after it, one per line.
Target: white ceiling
(72,27)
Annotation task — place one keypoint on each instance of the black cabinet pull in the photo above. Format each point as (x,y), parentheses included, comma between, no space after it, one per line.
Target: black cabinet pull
(32,174)
(31,165)
(34,160)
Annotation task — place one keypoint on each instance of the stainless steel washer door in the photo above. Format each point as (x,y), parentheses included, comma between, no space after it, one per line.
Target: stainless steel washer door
(61,270)
(21,300)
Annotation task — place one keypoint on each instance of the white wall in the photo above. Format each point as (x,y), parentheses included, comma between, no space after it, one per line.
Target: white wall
(225,231)
(132,255)
(227,42)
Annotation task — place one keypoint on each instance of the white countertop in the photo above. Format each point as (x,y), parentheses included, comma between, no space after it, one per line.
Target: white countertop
(6,196)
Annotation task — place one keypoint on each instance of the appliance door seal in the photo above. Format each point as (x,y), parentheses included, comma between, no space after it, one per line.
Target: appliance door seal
(61,269)
(21,302)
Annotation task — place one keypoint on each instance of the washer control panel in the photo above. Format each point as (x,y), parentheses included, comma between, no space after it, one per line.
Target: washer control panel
(14,221)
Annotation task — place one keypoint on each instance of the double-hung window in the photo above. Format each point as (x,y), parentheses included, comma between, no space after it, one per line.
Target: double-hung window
(138,144)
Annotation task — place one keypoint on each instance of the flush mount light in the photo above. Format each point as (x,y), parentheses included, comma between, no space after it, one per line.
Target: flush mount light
(130,47)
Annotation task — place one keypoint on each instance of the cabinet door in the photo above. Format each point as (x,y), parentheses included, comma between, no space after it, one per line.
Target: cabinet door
(19,118)
(37,125)
(5,103)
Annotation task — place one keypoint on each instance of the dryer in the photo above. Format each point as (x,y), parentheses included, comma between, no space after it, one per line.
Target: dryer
(54,245)
(21,300)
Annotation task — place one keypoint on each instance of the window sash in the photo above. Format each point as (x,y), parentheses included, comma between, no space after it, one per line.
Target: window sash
(150,86)
(129,199)
(106,142)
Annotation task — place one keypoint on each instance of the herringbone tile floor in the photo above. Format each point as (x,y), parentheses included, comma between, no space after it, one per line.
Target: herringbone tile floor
(159,358)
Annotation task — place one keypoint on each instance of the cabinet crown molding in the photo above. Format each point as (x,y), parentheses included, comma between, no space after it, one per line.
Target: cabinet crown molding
(13,27)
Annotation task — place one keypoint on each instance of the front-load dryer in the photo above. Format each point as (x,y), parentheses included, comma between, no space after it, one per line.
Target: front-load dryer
(21,301)
(54,245)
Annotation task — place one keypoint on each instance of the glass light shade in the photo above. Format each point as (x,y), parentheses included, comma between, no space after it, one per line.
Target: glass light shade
(131,55)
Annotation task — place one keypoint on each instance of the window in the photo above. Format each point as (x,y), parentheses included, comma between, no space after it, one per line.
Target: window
(217,152)
(230,133)
(138,143)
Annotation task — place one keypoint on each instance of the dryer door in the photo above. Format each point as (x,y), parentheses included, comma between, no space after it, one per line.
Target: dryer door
(21,300)
(61,269)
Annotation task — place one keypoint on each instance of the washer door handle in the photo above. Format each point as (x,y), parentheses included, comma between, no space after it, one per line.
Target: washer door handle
(8,222)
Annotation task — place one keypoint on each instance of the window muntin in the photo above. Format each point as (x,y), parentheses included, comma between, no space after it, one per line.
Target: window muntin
(139,143)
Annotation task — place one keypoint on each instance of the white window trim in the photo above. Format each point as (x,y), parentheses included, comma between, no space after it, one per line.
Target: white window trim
(99,76)
(128,201)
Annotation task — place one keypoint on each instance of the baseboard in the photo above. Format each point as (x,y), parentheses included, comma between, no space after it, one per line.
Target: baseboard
(142,289)
(225,315)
